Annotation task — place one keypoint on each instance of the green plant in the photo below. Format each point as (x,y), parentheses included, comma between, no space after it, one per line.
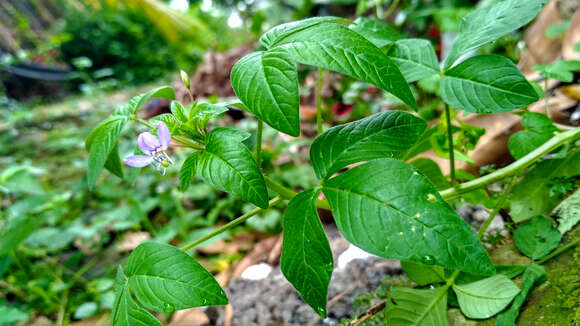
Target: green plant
(385,205)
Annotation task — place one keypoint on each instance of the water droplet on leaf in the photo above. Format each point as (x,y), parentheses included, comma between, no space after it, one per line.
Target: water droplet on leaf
(428,260)
(168,307)
(321,312)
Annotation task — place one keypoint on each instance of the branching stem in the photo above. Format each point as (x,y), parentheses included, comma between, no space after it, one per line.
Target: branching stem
(498,205)
(319,102)
(559,251)
(450,141)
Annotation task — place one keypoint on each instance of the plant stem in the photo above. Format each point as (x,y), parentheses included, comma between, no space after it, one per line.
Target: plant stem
(513,168)
(497,207)
(259,131)
(288,193)
(559,251)
(231,224)
(319,102)
(450,141)
(392,8)
(379,9)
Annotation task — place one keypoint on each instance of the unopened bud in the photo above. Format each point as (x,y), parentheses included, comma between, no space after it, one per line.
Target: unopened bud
(185,79)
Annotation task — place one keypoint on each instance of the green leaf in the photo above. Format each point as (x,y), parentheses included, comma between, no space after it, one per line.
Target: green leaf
(487,297)
(387,208)
(187,172)
(387,134)
(422,145)
(556,30)
(125,311)
(100,142)
(534,275)
(18,229)
(164,278)
(537,238)
(531,196)
(538,129)
(423,274)
(568,212)
(306,256)
(136,102)
(377,32)
(486,84)
(113,162)
(432,171)
(10,315)
(169,119)
(179,111)
(228,165)
(86,310)
(561,70)
(415,58)
(489,23)
(411,307)
(273,36)
(335,47)
(267,83)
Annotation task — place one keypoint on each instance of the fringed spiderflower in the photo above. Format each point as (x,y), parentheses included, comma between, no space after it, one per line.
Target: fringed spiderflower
(154,148)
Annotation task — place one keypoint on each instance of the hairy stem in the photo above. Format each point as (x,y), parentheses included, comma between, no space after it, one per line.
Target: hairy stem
(180,139)
(259,143)
(319,102)
(514,168)
(450,141)
(288,193)
(498,205)
(231,224)
(559,251)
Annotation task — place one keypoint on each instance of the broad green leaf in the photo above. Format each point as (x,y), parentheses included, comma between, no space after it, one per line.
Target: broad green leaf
(411,307)
(531,196)
(187,171)
(125,311)
(306,256)
(179,111)
(486,84)
(11,315)
(415,58)
(431,170)
(487,297)
(509,271)
(100,142)
(169,119)
(164,278)
(422,145)
(491,22)
(267,83)
(568,212)
(228,165)
(387,208)
(377,32)
(136,102)
(277,33)
(537,238)
(86,310)
(387,134)
(561,70)
(18,229)
(423,274)
(335,47)
(538,129)
(113,162)
(534,275)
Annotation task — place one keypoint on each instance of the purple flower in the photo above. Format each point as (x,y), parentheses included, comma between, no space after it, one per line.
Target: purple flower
(155,150)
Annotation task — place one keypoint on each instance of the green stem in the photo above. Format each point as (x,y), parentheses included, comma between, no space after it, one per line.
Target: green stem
(450,141)
(392,8)
(231,224)
(180,139)
(514,168)
(379,9)
(319,102)
(497,207)
(259,143)
(288,193)
(559,251)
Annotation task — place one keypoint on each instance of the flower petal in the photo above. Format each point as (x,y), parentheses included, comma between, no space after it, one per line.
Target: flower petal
(148,143)
(138,161)
(163,134)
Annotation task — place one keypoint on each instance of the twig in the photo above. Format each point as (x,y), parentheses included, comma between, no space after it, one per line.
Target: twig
(369,314)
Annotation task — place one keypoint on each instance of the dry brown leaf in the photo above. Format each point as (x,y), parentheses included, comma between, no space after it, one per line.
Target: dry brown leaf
(132,239)
(572,37)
